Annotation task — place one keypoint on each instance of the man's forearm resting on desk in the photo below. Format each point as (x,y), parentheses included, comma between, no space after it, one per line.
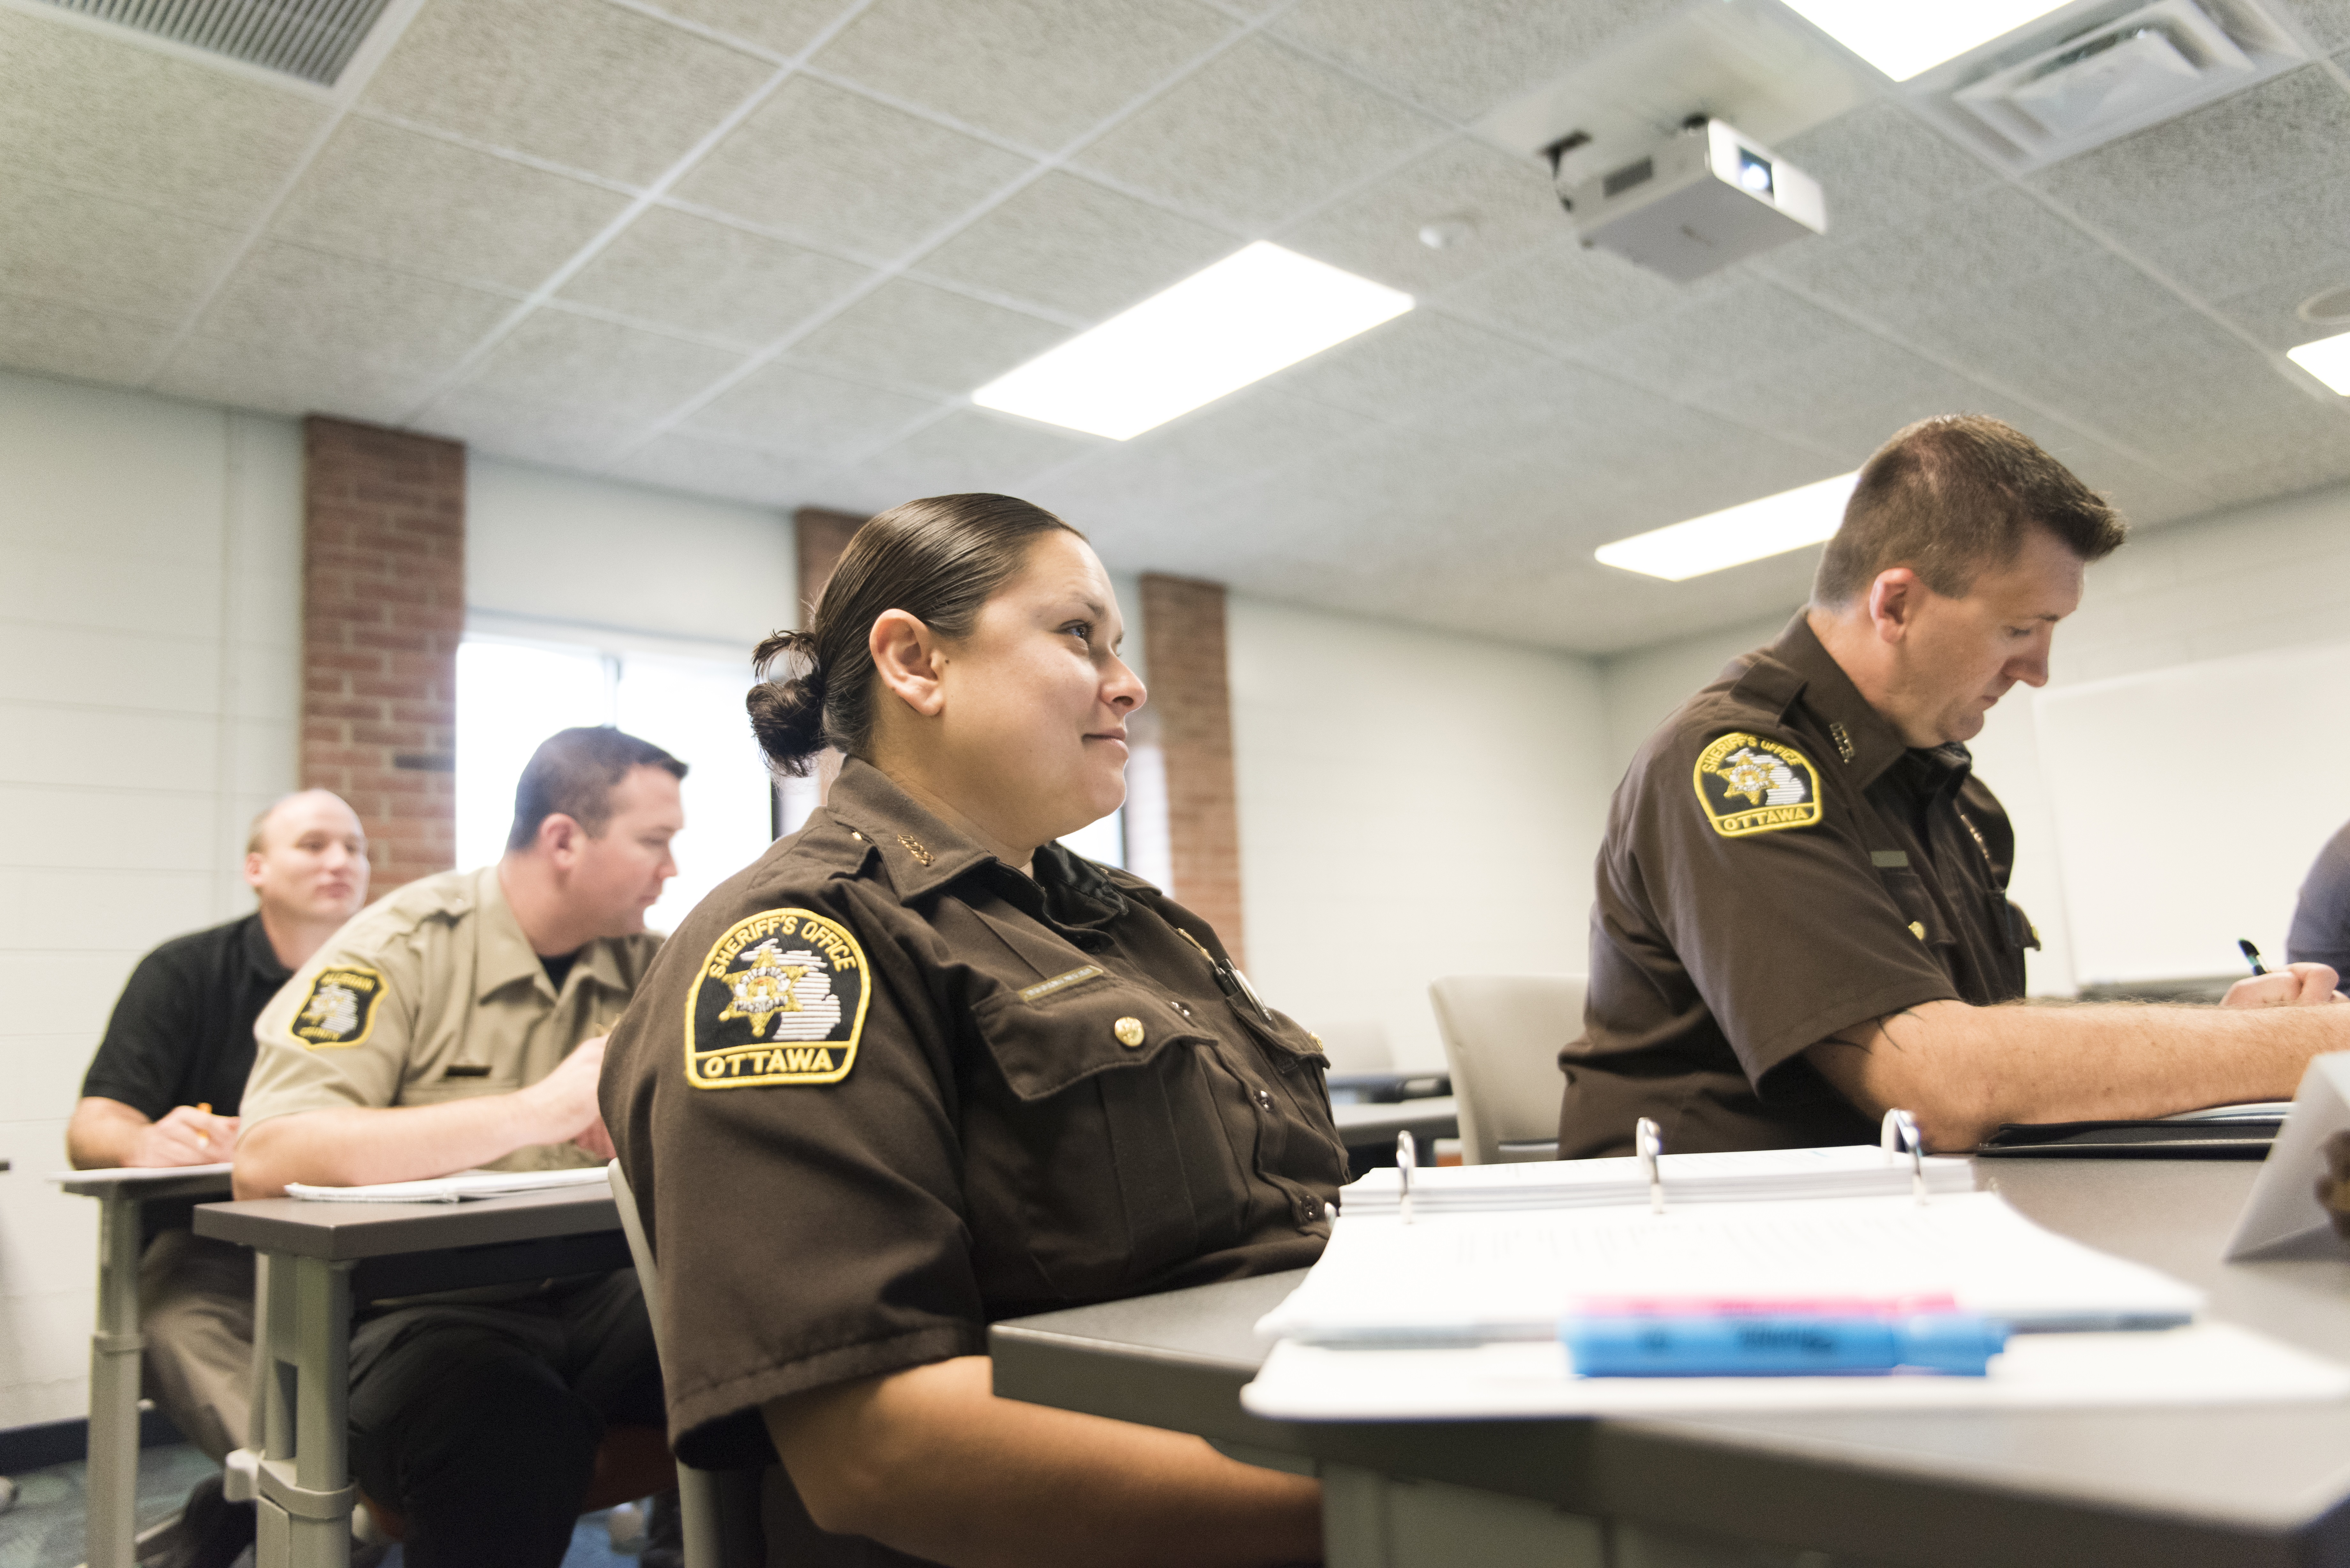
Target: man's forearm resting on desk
(929,1462)
(107,1135)
(1962,1071)
(354,1146)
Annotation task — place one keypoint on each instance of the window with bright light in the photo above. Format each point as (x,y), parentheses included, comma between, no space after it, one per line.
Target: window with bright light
(511,695)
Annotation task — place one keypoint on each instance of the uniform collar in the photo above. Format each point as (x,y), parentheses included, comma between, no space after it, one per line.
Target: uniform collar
(1825,687)
(922,852)
(260,954)
(503,955)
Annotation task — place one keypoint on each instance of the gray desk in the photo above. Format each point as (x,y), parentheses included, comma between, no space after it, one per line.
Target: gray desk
(2243,1488)
(115,1345)
(319,1259)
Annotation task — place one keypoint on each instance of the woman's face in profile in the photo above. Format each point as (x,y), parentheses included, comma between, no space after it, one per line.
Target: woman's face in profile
(1037,698)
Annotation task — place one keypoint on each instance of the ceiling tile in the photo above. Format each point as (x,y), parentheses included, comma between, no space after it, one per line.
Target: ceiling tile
(678,270)
(61,340)
(846,172)
(1729,335)
(701,467)
(1257,135)
(1462,57)
(809,414)
(1881,168)
(137,123)
(415,200)
(783,27)
(336,307)
(1033,71)
(971,450)
(558,361)
(1210,450)
(2327,21)
(1564,294)
(2185,171)
(1498,206)
(2277,241)
(2271,310)
(580,83)
(275,380)
(1847,395)
(561,437)
(910,334)
(103,254)
(1984,246)
(1070,245)
(1418,361)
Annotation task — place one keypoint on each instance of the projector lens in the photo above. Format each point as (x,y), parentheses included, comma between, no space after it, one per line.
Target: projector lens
(1754,173)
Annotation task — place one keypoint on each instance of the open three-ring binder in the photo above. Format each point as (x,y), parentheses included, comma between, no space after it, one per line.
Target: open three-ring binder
(1452,1312)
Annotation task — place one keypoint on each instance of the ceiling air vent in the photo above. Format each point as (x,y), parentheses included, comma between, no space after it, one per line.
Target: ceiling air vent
(312,39)
(2092,74)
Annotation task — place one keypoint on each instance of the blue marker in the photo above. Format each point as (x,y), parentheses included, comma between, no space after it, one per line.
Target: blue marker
(1766,1345)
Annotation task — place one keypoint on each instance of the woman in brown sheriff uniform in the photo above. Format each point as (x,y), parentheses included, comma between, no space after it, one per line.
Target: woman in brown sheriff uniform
(919,1068)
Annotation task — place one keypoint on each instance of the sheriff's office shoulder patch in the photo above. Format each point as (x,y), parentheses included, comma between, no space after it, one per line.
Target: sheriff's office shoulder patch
(780,1000)
(1748,785)
(340,1008)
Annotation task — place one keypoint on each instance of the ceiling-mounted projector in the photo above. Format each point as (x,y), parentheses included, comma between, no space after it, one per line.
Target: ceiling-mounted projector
(1696,203)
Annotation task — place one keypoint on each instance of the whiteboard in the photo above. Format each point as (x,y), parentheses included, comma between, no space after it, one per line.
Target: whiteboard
(2189,803)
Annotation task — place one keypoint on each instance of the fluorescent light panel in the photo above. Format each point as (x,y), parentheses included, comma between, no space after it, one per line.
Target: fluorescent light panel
(2328,360)
(1903,37)
(1257,311)
(1737,535)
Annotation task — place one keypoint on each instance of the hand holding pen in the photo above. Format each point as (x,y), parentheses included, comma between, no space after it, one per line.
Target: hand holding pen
(2295,986)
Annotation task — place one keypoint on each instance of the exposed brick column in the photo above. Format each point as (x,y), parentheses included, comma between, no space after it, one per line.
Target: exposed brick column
(1191,690)
(383,608)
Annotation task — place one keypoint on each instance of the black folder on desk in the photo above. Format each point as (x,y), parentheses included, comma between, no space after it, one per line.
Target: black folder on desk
(2197,1136)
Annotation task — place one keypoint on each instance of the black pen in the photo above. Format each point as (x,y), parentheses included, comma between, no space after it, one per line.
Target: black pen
(2252,955)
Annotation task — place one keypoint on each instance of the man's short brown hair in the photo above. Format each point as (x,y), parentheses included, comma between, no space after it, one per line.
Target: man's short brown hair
(1952,496)
(574,773)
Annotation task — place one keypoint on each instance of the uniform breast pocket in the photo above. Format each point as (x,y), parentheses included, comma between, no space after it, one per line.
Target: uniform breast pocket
(1917,908)
(1094,1154)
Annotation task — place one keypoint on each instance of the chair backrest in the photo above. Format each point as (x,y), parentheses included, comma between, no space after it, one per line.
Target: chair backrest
(1501,1036)
(719,1509)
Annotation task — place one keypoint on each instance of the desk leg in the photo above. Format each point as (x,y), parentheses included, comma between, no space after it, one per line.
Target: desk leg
(306,1493)
(114,1351)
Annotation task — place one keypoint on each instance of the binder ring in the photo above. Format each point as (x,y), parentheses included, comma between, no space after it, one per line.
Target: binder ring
(1900,1129)
(1648,1142)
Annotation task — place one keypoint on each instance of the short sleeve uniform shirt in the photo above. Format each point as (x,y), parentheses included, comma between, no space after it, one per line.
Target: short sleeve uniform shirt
(181,1033)
(431,995)
(1778,865)
(882,1089)
(2321,916)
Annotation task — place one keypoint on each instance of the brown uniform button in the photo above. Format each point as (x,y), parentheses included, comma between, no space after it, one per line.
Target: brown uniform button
(1129,1032)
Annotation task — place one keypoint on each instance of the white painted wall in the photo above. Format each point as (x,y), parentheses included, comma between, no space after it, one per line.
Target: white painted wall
(2275,575)
(149,630)
(1413,805)
(666,572)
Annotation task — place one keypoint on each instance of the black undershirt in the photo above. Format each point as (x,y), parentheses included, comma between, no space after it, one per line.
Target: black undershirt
(558,967)
(181,1033)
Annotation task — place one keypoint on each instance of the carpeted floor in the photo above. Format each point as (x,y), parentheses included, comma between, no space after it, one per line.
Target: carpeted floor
(45,1528)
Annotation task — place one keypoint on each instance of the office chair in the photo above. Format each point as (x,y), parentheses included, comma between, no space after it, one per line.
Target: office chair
(719,1509)
(1502,1034)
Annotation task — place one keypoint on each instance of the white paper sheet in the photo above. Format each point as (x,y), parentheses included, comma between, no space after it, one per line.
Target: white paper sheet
(454,1189)
(1510,1275)
(2207,1363)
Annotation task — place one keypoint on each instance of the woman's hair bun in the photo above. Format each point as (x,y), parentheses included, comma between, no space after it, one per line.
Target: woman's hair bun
(787,715)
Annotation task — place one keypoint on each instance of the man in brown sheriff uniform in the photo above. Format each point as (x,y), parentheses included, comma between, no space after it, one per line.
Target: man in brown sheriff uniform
(456,1025)
(919,1092)
(1802,917)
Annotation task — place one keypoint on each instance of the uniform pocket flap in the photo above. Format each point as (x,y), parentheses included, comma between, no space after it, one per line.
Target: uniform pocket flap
(1917,904)
(1044,1046)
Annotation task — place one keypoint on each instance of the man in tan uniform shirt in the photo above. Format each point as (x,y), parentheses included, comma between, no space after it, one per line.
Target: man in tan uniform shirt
(456,1025)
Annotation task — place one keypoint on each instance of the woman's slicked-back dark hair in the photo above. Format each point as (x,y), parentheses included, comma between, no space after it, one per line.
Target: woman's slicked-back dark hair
(939,559)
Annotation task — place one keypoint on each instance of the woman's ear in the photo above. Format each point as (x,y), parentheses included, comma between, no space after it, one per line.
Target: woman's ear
(905,657)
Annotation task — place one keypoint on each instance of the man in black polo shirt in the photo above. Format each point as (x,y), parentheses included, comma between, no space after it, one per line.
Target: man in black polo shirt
(167,1080)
